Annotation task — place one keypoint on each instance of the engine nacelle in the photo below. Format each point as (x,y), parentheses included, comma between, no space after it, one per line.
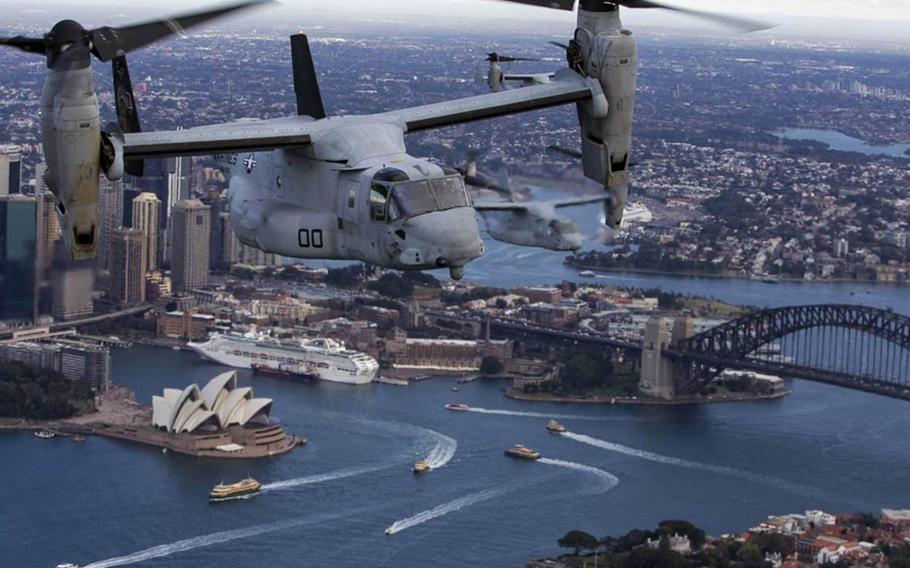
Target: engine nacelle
(608,53)
(112,155)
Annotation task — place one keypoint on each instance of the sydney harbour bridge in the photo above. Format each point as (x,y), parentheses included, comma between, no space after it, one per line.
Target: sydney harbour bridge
(851,346)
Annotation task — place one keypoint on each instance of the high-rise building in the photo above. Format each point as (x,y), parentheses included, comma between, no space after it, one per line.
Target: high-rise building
(48,228)
(127,258)
(40,184)
(252,256)
(72,285)
(190,225)
(230,244)
(178,181)
(110,201)
(19,258)
(146,211)
(10,169)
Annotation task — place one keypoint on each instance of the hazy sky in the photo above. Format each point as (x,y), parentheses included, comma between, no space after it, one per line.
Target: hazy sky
(845,9)
(873,20)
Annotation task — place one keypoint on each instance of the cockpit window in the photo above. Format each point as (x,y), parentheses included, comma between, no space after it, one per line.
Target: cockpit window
(413,198)
(450,192)
(379,198)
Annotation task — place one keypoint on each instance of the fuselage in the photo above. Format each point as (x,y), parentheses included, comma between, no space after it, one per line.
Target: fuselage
(353,193)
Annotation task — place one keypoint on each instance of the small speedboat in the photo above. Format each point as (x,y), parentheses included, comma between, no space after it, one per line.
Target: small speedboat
(555,427)
(45,434)
(457,406)
(421,466)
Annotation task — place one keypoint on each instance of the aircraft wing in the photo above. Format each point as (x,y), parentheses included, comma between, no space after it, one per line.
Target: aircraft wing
(215,139)
(574,202)
(567,87)
(499,206)
(533,78)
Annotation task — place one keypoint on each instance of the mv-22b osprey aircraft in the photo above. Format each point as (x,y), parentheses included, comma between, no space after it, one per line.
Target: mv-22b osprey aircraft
(312,186)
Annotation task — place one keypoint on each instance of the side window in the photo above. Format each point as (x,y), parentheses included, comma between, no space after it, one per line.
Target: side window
(379,198)
(352,197)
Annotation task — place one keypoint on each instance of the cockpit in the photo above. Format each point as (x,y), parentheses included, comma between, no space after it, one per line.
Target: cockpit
(393,195)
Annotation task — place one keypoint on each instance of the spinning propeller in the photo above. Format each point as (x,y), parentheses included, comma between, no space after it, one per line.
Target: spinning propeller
(106,43)
(733,22)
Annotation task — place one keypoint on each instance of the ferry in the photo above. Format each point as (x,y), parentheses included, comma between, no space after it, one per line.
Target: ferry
(421,466)
(45,434)
(457,406)
(523,452)
(322,358)
(555,427)
(223,491)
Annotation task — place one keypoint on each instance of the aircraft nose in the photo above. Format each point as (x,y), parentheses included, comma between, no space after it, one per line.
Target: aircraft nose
(446,239)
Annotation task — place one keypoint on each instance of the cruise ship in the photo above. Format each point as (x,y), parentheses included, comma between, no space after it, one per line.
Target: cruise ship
(322,358)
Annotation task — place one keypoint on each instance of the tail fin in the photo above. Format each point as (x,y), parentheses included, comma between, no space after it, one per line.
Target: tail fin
(306,83)
(127,113)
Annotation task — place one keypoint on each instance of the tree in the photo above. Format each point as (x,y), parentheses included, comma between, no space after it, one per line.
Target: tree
(393,286)
(491,365)
(578,540)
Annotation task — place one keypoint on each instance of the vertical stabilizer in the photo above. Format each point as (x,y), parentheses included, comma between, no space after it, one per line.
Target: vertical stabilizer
(127,112)
(306,83)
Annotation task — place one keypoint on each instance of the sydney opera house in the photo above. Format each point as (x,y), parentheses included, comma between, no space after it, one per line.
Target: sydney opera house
(221,420)
(220,404)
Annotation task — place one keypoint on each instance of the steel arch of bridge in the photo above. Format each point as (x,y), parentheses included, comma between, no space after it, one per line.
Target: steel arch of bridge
(706,353)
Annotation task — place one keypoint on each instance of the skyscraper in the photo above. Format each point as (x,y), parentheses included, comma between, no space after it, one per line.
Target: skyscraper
(127,258)
(48,227)
(10,169)
(178,181)
(19,258)
(72,285)
(190,222)
(146,211)
(111,204)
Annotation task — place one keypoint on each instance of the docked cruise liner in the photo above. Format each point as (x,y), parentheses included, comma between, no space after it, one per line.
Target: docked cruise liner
(325,359)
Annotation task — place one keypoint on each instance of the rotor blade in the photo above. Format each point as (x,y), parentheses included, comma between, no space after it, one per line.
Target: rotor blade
(109,42)
(555,4)
(557,44)
(737,23)
(29,44)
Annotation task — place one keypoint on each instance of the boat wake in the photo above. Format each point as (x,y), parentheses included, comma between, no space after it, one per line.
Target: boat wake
(503,412)
(443,452)
(606,480)
(669,460)
(451,507)
(195,542)
(320,478)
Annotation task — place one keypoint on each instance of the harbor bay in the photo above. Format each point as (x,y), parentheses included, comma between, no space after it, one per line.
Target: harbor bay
(721,466)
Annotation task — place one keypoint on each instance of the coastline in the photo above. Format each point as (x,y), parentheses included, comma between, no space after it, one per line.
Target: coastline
(727,276)
(515,394)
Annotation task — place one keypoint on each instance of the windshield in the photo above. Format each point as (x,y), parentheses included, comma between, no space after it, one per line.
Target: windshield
(450,192)
(418,197)
(413,198)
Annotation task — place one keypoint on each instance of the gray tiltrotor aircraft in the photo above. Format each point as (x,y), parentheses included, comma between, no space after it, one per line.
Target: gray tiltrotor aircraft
(312,186)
